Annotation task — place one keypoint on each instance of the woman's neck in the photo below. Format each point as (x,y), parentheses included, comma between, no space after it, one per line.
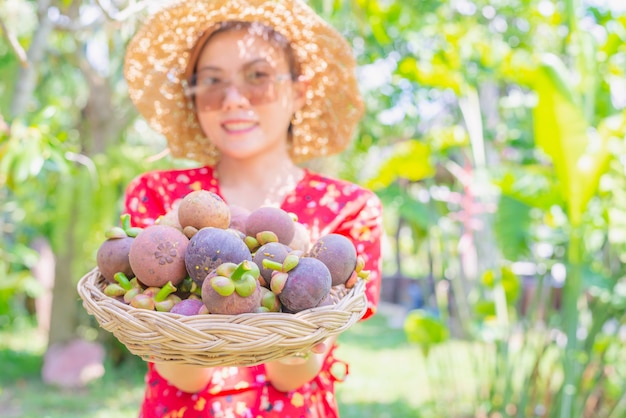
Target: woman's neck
(265,180)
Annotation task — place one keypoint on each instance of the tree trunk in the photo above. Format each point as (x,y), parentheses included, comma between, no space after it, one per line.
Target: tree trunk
(44,272)
(64,318)
(27,77)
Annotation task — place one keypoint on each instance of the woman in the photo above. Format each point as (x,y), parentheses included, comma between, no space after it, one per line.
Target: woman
(249,89)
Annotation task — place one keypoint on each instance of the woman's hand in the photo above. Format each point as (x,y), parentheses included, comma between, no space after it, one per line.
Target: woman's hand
(292,372)
(185,377)
(301,358)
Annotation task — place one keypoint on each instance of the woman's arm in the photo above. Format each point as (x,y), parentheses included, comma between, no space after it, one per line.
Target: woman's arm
(185,377)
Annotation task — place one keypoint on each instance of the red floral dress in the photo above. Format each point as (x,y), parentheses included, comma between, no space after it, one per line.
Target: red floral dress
(324,205)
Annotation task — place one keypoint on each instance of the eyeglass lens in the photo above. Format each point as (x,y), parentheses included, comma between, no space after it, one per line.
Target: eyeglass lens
(258,87)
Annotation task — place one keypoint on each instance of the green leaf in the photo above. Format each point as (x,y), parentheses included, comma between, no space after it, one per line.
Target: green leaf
(396,199)
(416,213)
(485,308)
(578,154)
(425,329)
(442,138)
(512,226)
(409,160)
(510,282)
(407,68)
(533,185)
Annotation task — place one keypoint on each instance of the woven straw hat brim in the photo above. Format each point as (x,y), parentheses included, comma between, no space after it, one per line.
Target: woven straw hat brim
(158,55)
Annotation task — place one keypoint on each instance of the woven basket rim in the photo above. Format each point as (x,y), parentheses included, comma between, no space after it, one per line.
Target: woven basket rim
(218,340)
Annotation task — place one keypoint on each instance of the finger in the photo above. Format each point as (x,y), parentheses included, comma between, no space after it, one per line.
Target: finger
(295,359)
(319,348)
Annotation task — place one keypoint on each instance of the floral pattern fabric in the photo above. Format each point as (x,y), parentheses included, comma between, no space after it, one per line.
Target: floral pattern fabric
(324,205)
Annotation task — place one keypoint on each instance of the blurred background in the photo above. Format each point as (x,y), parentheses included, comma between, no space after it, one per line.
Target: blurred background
(495,136)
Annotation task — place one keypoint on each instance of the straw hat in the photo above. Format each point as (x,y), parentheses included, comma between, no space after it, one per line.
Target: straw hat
(158,56)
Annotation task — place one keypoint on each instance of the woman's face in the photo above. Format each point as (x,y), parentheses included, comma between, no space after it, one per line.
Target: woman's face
(244,94)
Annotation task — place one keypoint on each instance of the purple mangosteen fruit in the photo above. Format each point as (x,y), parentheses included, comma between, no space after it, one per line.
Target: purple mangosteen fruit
(157,255)
(209,248)
(337,252)
(303,286)
(270,218)
(232,289)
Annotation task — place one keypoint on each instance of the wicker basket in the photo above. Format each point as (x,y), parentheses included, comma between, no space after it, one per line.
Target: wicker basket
(219,340)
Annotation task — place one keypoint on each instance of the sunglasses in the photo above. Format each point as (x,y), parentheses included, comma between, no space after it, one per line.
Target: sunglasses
(257,86)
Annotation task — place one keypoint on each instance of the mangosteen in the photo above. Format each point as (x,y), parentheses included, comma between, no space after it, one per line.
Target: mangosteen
(209,248)
(232,289)
(337,252)
(157,255)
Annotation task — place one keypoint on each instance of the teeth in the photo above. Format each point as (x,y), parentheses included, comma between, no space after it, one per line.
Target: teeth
(238,126)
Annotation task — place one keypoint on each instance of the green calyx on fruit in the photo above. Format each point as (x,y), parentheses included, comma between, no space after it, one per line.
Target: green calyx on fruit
(114,289)
(115,233)
(245,286)
(264,237)
(127,227)
(241,278)
(189,286)
(252,243)
(126,230)
(222,285)
(131,288)
(143,301)
(269,301)
(225,269)
(130,294)
(255,242)
(358,273)
(278,281)
(152,298)
(360,264)
(289,263)
(244,270)
(245,277)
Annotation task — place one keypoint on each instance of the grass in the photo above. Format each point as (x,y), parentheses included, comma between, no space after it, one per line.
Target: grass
(386,379)
(386,373)
(24,395)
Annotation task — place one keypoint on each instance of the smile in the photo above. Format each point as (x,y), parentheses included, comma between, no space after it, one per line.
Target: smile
(239,126)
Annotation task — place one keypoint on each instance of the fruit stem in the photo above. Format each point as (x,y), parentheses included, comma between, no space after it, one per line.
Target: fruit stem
(125,218)
(273,265)
(244,269)
(164,292)
(123,280)
(133,231)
